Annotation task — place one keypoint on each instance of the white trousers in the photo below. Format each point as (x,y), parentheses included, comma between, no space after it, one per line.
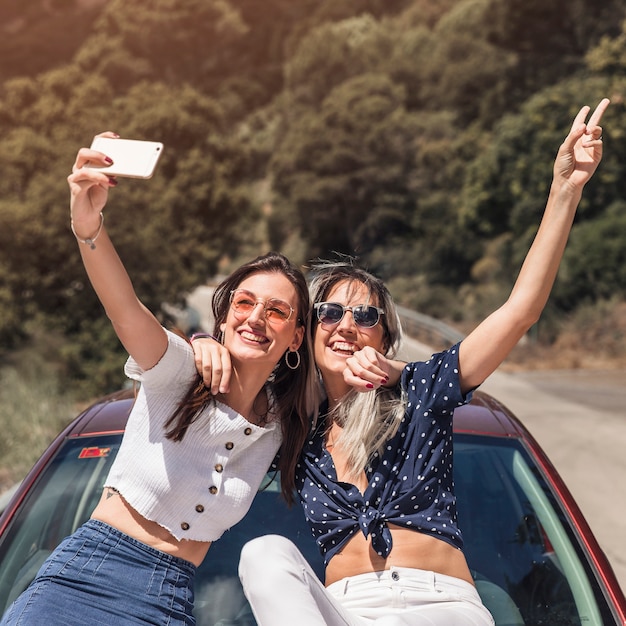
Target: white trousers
(283,590)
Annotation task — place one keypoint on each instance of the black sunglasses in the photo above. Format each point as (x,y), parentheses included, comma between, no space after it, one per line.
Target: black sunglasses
(364,315)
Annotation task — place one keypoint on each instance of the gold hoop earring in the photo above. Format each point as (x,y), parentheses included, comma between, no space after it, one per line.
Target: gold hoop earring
(289,365)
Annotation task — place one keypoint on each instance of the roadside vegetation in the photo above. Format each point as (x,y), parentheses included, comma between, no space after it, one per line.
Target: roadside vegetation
(35,406)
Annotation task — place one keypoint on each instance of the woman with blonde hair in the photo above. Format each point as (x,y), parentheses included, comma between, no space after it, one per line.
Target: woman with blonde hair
(375,475)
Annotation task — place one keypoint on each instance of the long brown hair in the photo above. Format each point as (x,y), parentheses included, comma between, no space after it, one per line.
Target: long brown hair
(294,392)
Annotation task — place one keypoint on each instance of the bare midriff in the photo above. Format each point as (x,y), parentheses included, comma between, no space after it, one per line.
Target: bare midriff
(112,509)
(410,549)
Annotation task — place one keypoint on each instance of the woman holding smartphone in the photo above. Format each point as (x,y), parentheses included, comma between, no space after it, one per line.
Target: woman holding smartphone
(190,463)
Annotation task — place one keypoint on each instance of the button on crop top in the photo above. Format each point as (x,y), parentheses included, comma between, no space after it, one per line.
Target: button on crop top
(410,484)
(201,486)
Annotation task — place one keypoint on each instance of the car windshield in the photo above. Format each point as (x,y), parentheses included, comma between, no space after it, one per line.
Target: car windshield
(528,565)
(518,539)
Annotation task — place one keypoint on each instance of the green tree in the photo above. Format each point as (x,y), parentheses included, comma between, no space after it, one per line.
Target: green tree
(171,231)
(346,169)
(418,134)
(36,35)
(168,40)
(507,184)
(463,70)
(594,265)
(333,53)
(550,39)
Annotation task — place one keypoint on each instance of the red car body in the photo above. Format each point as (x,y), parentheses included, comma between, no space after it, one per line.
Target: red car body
(535,559)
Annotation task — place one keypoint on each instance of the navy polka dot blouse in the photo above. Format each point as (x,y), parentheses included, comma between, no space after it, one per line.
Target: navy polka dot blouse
(410,483)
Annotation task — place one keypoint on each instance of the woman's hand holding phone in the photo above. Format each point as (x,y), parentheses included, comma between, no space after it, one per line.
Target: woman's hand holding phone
(131,158)
(96,170)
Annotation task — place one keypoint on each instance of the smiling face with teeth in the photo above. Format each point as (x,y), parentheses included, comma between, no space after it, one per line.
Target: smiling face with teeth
(335,343)
(252,336)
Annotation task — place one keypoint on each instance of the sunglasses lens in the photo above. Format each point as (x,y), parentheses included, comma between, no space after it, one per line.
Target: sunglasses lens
(366,316)
(330,313)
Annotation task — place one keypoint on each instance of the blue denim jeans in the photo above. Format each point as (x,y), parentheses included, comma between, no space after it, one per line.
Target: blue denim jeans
(99,575)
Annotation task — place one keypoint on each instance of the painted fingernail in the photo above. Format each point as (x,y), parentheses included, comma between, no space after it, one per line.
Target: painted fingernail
(109,160)
(369,386)
(112,181)
(384,381)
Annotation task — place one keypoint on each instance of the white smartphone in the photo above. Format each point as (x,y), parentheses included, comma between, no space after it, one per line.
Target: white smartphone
(131,157)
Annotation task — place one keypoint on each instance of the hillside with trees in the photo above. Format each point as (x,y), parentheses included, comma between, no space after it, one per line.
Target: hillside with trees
(417,135)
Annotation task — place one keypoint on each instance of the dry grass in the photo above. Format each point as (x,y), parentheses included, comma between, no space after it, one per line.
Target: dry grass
(32,412)
(594,338)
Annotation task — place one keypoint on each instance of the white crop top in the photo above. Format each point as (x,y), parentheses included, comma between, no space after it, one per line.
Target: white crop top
(203,485)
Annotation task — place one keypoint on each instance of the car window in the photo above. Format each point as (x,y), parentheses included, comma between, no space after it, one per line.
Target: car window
(68,491)
(518,541)
(62,499)
(526,560)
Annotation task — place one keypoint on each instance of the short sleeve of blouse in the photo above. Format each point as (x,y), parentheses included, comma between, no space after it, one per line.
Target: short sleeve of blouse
(176,366)
(435,383)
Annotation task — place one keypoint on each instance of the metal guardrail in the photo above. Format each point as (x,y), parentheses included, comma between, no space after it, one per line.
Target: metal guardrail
(429,329)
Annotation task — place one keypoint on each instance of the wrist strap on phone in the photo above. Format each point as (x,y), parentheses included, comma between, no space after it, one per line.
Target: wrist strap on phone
(90,241)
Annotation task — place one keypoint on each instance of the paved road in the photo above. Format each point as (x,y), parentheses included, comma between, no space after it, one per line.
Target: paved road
(579,418)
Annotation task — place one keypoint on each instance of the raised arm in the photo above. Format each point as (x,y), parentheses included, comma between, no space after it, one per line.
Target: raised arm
(488,345)
(139,331)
